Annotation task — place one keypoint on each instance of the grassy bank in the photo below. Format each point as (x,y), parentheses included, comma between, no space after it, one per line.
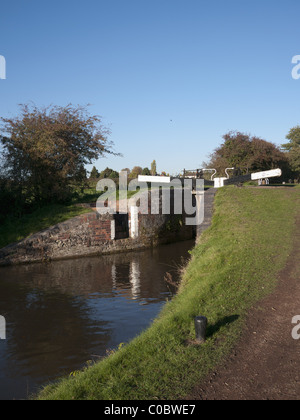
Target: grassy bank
(234,265)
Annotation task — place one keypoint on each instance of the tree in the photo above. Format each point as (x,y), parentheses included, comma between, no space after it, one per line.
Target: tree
(136,171)
(45,150)
(94,173)
(146,171)
(126,170)
(293,150)
(106,173)
(10,198)
(153,168)
(246,154)
(114,175)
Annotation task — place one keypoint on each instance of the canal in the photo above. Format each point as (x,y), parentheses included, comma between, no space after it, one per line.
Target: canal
(61,315)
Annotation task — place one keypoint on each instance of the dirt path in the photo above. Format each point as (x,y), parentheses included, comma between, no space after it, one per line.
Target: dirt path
(265,365)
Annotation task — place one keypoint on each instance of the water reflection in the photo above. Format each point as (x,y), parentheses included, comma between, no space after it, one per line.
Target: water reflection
(134,278)
(63,314)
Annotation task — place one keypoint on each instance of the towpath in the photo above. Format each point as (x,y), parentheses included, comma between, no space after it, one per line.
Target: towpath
(265,364)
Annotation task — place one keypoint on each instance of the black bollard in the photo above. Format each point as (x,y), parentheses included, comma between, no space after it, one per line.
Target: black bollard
(200,327)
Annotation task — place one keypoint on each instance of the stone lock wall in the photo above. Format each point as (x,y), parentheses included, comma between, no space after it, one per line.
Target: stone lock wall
(95,234)
(156,228)
(81,235)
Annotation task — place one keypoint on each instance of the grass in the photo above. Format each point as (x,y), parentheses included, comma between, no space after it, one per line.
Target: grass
(234,265)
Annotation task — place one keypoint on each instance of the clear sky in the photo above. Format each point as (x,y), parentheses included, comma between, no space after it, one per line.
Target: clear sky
(168,77)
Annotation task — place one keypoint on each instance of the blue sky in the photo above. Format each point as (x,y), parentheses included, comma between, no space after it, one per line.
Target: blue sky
(168,77)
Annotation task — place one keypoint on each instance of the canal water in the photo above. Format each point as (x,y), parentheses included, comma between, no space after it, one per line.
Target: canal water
(61,315)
